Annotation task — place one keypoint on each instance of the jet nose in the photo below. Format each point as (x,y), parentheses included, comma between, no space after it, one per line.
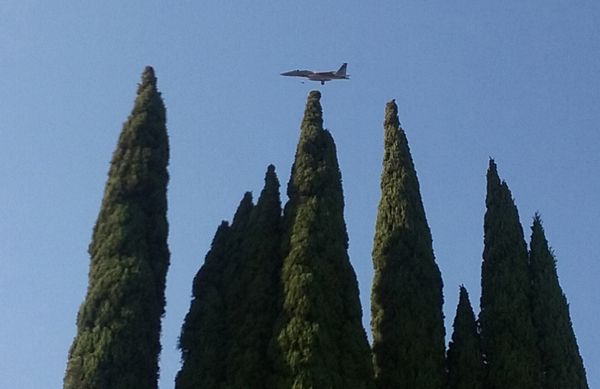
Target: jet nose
(290,73)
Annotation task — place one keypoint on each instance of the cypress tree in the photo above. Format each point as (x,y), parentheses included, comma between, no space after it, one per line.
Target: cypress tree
(320,338)
(561,361)
(464,360)
(406,301)
(118,325)
(507,332)
(202,334)
(254,292)
(205,332)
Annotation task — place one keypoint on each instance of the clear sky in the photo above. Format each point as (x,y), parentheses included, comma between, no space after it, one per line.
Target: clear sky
(518,81)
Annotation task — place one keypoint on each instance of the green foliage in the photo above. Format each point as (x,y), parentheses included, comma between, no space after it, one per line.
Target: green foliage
(202,335)
(253,293)
(118,325)
(507,333)
(562,363)
(205,334)
(319,340)
(225,336)
(464,360)
(406,301)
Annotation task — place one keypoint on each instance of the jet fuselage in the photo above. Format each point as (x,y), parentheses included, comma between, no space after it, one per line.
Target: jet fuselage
(340,74)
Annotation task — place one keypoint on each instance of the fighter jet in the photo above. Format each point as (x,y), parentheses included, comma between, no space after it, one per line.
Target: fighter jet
(340,74)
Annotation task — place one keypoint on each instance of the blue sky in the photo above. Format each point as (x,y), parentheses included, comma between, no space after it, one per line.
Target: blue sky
(517,81)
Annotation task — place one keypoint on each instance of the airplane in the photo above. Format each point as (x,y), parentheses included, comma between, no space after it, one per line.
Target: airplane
(340,74)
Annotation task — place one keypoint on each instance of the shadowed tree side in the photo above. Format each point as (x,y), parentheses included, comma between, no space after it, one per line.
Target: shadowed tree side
(406,301)
(205,334)
(561,361)
(254,293)
(118,325)
(464,360)
(319,336)
(507,332)
(202,335)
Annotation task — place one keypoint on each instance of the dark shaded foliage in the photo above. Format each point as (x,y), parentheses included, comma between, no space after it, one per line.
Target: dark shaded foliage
(464,360)
(252,295)
(561,361)
(205,332)
(507,333)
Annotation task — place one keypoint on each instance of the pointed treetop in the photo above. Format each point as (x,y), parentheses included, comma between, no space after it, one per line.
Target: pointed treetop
(464,295)
(148,76)
(464,306)
(465,309)
(148,98)
(539,244)
(313,113)
(268,206)
(538,236)
(148,80)
(537,222)
(406,301)
(129,259)
(391,114)
(271,183)
(314,94)
(220,234)
(497,189)
(507,333)
(243,211)
(271,177)
(561,360)
(492,173)
(464,359)
(541,258)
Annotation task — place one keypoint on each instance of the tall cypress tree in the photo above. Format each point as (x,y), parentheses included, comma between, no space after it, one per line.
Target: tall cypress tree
(118,325)
(507,332)
(320,337)
(561,361)
(406,301)
(205,332)
(464,360)
(202,335)
(254,293)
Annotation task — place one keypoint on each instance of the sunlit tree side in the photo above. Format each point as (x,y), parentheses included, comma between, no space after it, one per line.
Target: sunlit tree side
(406,300)
(118,326)
(319,337)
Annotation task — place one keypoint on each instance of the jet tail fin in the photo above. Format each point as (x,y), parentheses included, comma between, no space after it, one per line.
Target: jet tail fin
(342,70)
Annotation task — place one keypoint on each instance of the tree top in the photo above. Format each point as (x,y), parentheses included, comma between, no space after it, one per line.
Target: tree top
(148,78)
(314,94)
(391,114)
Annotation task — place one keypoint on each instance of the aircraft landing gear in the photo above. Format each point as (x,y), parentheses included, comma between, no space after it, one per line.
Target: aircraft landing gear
(322,82)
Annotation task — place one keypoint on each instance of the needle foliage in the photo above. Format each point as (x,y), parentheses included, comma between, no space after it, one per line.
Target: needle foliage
(507,332)
(320,340)
(205,334)
(561,361)
(118,326)
(226,334)
(253,293)
(406,301)
(464,360)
